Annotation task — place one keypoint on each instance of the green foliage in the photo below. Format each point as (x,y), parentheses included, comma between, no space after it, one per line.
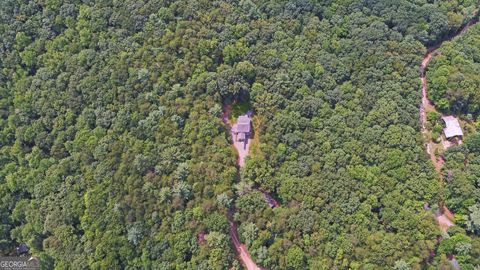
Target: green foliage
(453,74)
(473,143)
(235,52)
(249,233)
(295,258)
(473,223)
(224,200)
(135,233)
(216,222)
(401,265)
(114,155)
(456,244)
(462,169)
(433,117)
(247,70)
(240,108)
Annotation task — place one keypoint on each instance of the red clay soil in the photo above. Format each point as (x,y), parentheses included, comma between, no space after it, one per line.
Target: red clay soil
(426,104)
(444,222)
(242,252)
(240,248)
(446,217)
(447,213)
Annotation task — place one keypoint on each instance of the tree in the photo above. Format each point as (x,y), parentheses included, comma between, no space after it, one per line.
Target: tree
(224,200)
(234,52)
(295,258)
(135,233)
(473,143)
(249,233)
(473,223)
(401,265)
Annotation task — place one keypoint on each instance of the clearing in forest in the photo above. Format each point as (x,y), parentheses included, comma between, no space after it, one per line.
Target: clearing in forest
(239,119)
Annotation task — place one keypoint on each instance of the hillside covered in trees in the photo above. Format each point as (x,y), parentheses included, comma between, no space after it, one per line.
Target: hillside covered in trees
(114,154)
(454,87)
(454,74)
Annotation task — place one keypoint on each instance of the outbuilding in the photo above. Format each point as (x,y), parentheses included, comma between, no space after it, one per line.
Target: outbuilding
(452,127)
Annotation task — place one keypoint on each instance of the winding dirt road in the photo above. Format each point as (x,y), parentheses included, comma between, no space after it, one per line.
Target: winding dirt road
(241,249)
(242,151)
(426,104)
(445,217)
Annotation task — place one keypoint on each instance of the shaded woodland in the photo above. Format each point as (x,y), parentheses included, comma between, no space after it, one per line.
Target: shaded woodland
(454,86)
(454,75)
(113,154)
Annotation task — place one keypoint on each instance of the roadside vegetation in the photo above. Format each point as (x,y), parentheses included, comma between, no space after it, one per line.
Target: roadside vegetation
(454,84)
(240,108)
(114,154)
(454,75)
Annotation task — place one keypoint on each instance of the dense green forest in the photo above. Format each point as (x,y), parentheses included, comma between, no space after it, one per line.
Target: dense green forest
(114,156)
(454,85)
(454,75)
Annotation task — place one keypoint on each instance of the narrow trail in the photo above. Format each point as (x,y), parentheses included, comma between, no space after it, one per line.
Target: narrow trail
(242,151)
(445,217)
(240,248)
(427,105)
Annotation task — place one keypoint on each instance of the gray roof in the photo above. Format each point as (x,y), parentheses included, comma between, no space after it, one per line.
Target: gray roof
(241,136)
(243,124)
(243,128)
(452,127)
(243,119)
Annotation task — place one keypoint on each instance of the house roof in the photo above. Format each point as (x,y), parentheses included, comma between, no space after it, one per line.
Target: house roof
(452,128)
(241,136)
(243,124)
(243,128)
(243,119)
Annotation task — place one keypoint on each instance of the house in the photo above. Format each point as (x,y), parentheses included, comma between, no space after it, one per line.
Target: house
(452,128)
(243,128)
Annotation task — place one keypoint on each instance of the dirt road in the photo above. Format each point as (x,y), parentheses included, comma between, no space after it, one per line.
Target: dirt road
(445,217)
(426,104)
(242,251)
(242,150)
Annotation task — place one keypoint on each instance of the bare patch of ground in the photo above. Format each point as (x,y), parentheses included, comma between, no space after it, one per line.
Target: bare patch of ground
(241,147)
(242,251)
(444,222)
(242,150)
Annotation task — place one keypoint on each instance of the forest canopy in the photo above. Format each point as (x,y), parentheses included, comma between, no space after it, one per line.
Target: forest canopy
(454,74)
(114,154)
